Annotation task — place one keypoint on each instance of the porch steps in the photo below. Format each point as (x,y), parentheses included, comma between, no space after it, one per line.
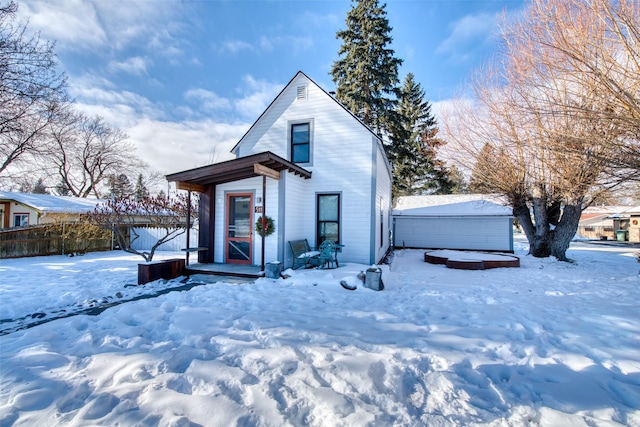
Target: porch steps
(232,270)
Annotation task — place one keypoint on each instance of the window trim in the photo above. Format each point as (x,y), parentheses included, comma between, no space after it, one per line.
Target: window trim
(339,221)
(290,126)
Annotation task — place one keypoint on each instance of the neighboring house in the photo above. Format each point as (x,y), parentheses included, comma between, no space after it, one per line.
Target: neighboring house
(610,223)
(313,167)
(25,209)
(627,224)
(596,222)
(464,221)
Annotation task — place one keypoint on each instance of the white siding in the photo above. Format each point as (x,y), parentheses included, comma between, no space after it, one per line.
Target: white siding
(298,215)
(341,163)
(20,209)
(474,233)
(383,204)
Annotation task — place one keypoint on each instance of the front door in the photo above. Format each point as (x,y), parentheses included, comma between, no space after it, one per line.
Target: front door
(239,230)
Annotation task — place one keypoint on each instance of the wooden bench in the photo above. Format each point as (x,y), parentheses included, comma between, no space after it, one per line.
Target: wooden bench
(303,255)
(190,250)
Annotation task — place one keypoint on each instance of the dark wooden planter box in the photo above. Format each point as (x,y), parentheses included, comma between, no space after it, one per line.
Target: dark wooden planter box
(167,269)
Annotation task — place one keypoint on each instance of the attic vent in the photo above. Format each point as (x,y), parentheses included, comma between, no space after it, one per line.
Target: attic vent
(301,93)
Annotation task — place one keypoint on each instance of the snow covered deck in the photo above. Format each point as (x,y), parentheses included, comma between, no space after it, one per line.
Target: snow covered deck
(464,260)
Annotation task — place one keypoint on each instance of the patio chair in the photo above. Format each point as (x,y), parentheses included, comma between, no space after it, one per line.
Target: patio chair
(328,254)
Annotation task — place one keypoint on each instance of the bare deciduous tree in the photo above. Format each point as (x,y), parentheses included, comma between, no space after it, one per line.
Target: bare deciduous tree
(31,91)
(586,60)
(85,151)
(552,124)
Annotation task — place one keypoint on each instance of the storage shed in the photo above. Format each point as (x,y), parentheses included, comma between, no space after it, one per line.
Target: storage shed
(463,222)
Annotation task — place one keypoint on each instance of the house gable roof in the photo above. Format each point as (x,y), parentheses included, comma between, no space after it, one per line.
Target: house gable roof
(275,100)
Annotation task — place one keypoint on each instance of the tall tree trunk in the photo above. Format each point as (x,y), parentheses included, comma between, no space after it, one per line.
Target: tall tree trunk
(565,230)
(543,241)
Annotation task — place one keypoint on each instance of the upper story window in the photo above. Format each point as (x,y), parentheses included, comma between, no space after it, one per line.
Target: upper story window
(300,143)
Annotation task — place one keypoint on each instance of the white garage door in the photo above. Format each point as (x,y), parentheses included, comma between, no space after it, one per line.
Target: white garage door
(476,233)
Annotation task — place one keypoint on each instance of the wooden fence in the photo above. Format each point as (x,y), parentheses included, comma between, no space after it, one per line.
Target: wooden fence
(54,239)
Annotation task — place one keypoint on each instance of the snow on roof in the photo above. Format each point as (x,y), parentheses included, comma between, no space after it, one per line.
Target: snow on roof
(626,212)
(52,204)
(452,205)
(632,211)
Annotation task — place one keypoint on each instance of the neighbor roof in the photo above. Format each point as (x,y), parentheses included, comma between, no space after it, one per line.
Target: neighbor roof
(52,204)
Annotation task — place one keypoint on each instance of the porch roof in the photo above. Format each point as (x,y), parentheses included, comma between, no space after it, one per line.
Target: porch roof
(236,169)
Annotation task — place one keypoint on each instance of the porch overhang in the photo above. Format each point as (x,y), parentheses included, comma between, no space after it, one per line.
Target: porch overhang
(234,170)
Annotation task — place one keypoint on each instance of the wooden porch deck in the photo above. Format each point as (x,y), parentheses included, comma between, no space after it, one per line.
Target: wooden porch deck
(234,270)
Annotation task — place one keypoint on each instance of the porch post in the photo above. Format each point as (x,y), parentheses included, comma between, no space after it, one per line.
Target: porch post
(188,223)
(264,212)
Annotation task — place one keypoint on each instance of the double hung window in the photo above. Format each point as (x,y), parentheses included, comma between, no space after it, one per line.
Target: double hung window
(300,143)
(328,220)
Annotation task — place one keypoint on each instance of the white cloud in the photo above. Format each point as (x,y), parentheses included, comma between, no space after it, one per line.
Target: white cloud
(175,146)
(169,146)
(80,25)
(468,34)
(297,44)
(136,65)
(234,46)
(166,144)
(123,109)
(208,100)
(315,20)
(256,96)
(74,23)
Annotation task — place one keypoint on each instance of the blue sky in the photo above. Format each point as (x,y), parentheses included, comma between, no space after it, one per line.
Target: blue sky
(185,79)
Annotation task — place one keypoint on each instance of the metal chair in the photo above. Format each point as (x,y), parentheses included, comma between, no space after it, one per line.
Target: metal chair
(328,254)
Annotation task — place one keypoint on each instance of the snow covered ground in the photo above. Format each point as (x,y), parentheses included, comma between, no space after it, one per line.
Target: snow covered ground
(549,344)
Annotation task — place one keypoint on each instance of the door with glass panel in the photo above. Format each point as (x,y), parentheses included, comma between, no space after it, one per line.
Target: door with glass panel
(238,233)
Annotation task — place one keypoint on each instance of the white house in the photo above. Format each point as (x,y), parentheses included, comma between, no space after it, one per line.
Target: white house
(315,169)
(458,221)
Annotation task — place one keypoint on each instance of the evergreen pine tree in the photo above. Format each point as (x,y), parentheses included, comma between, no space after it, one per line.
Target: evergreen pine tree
(479,182)
(415,144)
(366,73)
(141,190)
(454,182)
(120,187)
(39,187)
(63,189)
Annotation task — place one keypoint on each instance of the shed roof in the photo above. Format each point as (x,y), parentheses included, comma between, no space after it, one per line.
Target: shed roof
(236,169)
(451,205)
